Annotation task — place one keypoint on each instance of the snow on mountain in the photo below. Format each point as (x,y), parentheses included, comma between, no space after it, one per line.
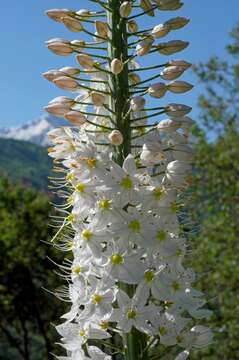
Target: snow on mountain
(35,131)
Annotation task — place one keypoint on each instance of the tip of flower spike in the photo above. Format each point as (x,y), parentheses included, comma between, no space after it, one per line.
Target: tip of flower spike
(57,14)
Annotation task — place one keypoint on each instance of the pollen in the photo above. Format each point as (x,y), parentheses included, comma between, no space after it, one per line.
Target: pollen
(104,204)
(163,331)
(76,270)
(104,325)
(80,187)
(116,259)
(69,177)
(126,183)
(161,235)
(131,314)
(96,299)
(70,218)
(157,193)
(148,276)
(86,234)
(134,225)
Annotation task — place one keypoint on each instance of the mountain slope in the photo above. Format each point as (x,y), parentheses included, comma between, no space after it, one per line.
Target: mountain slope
(35,131)
(25,162)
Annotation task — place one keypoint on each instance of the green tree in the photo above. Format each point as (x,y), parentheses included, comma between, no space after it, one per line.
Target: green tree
(26,309)
(215,204)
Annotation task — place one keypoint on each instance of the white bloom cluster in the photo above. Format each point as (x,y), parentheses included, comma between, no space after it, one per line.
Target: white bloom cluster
(120,220)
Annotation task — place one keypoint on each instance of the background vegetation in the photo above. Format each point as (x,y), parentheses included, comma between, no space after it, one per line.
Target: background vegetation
(27,311)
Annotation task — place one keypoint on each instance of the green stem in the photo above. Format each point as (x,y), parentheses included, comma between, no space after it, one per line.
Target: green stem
(134,341)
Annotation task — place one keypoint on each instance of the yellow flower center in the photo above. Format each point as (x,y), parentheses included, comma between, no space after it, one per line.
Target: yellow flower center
(157,193)
(131,314)
(86,234)
(163,331)
(116,259)
(161,235)
(104,204)
(76,270)
(69,177)
(91,162)
(148,276)
(104,325)
(126,183)
(174,207)
(134,225)
(80,187)
(175,285)
(96,299)
(82,332)
(179,339)
(70,218)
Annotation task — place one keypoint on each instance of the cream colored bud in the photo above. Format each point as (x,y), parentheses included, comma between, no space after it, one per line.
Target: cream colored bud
(63,100)
(68,70)
(134,78)
(85,61)
(125,9)
(83,13)
(97,99)
(57,109)
(57,14)
(51,75)
(115,137)
(137,103)
(184,64)
(168,125)
(172,72)
(132,26)
(152,154)
(101,28)
(160,30)
(116,66)
(59,47)
(157,90)
(66,83)
(179,87)
(177,22)
(172,47)
(72,24)
(75,118)
(147,7)
(177,110)
(169,4)
(144,46)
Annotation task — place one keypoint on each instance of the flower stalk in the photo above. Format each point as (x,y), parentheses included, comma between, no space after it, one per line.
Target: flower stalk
(122,185)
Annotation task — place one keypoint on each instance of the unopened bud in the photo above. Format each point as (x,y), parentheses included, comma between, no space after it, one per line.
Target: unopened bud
(85,61)
(172,47)
(160,30)
(97,99)
(63,100)
(57,14)
(152,154)
(57,109)
(59,47)
(51,75)
(75,117)
(137,103)
(147,7)
(179,87)
(66,83)
(144,46)
(115,137)
(177,110)
(72,24)
(125,9)
(177,22)
(134,78)
(172,72)
(101,28)
(132,26)
(116,66)
(157,90)
(181,63)
(168,125)
(83,13)
(169,4)
(68,70)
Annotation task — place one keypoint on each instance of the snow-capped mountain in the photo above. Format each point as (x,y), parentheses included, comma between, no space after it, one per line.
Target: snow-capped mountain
(35,131)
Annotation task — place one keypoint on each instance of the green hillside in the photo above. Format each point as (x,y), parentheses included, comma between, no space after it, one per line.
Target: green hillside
(25,162)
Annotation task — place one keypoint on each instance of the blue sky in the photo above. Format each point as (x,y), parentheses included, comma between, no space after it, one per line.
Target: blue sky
(24,28)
